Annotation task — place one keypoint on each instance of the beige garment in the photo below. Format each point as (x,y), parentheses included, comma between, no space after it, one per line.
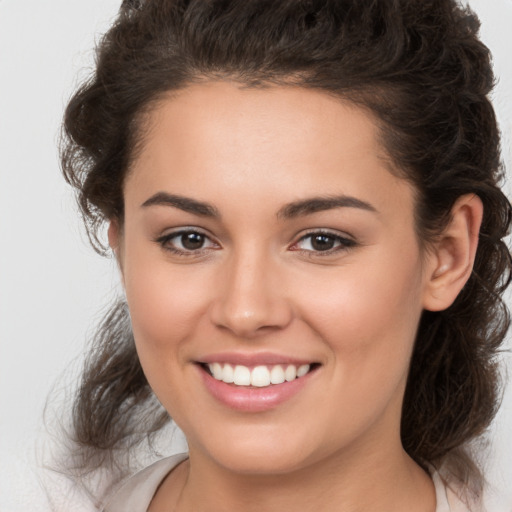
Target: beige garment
(136,494)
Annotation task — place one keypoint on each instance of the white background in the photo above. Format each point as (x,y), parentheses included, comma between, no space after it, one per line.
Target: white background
(52,285)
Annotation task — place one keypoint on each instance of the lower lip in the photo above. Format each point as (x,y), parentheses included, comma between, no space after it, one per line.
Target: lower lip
(253,399)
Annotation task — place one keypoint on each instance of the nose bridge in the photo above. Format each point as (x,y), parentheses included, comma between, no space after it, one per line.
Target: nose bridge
(250,299)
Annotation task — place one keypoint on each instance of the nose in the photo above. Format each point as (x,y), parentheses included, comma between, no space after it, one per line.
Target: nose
(251,298)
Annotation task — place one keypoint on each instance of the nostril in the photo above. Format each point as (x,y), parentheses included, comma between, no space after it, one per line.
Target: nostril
(250,305)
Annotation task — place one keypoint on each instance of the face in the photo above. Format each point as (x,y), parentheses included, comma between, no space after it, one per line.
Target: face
(265,235)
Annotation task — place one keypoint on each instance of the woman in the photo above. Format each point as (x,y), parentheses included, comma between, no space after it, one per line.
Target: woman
(302,198)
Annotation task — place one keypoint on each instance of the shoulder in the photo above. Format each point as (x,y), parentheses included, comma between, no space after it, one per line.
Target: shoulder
(136,493)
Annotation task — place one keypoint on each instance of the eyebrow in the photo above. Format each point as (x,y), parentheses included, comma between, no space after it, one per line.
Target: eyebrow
(319,204)
(183,203)
(289,211)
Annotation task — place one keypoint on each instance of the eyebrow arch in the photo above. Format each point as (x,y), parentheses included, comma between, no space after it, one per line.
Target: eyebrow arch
(318,204)
(183,203)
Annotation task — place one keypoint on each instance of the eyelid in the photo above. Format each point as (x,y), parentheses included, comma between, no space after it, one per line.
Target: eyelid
(346,241)
(162,241)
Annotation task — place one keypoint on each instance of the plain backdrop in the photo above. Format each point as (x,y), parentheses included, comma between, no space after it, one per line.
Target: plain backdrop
(52,285)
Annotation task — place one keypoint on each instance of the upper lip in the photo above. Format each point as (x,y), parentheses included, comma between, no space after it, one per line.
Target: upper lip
(253,359)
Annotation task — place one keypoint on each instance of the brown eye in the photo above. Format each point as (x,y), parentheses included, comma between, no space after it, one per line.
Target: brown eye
(186,242)
(192,241)
(322,242)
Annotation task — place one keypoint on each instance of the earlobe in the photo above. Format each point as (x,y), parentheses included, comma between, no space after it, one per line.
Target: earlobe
(113,235)
(114,240)
(451,260)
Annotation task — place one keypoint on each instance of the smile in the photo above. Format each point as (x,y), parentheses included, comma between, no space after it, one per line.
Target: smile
(259,376)
(259,385)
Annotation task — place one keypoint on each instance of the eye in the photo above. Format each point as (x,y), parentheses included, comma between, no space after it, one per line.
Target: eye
(186,242)
(323,242)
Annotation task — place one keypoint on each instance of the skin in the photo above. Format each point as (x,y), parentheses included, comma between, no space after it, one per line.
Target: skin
(257,285)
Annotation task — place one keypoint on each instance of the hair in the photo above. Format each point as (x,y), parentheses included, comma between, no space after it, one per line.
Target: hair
(419,68)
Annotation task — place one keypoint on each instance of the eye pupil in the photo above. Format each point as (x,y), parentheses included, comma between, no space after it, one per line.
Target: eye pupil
(192,241)
(322,242)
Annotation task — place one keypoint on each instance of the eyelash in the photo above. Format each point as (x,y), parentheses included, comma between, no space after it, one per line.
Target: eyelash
(164,242)
(344,243)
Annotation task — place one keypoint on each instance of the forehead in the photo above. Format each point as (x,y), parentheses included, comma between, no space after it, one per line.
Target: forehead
(222,140)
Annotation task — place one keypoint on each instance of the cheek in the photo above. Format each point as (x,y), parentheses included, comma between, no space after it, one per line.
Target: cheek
(368,320)
(368,314)
(165,301)
(164,308)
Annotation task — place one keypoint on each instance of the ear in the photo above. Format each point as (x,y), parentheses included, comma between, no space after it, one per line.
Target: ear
(114,240)
(450,262)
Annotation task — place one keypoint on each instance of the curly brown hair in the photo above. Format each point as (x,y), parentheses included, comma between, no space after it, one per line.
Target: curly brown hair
(419,66)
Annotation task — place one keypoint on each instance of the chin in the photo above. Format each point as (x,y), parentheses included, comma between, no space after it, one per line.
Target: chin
(259,462)
(261,453)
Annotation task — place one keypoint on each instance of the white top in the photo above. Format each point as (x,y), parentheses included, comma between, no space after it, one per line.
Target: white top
(136,494)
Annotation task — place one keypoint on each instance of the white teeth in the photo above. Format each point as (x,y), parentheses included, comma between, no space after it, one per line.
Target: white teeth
(277,375)
(290,373)
(302,370)
(228,374)
(216,370)
(260,376)
(242,376)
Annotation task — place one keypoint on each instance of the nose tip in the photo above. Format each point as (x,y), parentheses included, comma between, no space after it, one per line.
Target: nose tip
(251,322)
(249,303)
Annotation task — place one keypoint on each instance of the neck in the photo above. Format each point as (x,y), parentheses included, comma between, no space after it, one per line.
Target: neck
(386,481)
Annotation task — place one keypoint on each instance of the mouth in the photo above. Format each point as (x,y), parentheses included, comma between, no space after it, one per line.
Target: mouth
(260,376)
